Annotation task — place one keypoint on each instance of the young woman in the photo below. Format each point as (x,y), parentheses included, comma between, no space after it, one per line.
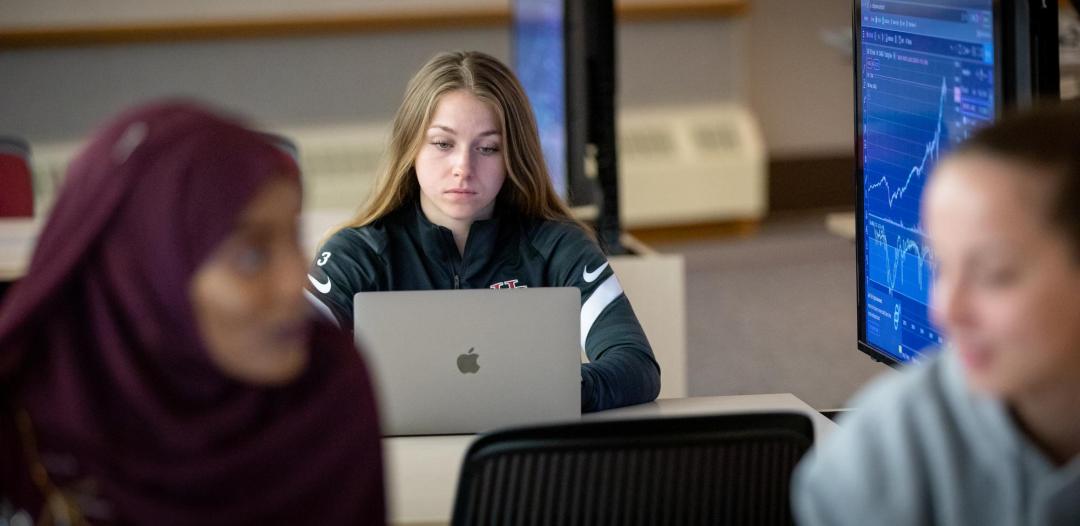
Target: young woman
(989,431)
(157,362)
(465,201)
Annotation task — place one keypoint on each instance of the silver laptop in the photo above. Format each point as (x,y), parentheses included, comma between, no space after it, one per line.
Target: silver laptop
(468,361)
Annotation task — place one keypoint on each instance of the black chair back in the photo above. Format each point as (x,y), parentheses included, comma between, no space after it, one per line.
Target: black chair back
(720,469)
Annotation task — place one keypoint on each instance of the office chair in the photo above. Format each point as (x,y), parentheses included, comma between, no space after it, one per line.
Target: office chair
(16,183)
(719,469)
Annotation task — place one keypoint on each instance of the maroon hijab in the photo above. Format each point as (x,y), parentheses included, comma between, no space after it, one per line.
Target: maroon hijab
(100,352)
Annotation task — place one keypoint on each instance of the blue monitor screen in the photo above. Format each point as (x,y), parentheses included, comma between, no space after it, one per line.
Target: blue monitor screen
(927,81)
(540,62)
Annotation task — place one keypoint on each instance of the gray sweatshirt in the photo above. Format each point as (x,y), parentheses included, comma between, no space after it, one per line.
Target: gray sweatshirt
(922,449)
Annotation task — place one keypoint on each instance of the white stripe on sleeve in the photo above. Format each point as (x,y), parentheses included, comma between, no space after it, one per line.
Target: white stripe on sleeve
(607,292)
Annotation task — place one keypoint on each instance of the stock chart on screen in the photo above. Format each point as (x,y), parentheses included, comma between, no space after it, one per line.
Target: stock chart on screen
(927,81)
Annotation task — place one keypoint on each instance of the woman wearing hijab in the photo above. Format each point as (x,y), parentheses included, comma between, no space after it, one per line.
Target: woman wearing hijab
(157,362)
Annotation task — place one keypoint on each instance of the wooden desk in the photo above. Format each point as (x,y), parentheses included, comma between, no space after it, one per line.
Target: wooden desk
(422,472)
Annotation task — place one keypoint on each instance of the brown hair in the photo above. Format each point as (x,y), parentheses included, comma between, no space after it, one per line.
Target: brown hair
(1047,137)
(529,191)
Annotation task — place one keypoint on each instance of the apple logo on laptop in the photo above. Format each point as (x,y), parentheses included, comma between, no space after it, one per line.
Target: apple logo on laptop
(466,363)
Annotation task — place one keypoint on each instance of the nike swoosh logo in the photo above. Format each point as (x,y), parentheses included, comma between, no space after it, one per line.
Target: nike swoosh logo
(320,286)
(589,276)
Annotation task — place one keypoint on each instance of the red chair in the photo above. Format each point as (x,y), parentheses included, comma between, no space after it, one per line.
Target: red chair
(16,184)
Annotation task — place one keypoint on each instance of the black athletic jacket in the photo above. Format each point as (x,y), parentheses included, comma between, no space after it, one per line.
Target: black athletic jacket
(405,251)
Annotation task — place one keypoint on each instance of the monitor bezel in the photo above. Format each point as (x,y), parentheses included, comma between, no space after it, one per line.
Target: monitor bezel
(1000,65)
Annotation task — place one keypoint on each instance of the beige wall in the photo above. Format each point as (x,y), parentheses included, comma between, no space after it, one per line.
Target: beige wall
(52,94)
(800,88)
(774,59)
(38,13)
(59,94)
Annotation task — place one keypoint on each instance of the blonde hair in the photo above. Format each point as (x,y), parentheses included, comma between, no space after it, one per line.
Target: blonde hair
(527,189)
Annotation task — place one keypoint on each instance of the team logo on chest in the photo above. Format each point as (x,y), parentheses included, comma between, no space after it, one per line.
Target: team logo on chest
(508,284)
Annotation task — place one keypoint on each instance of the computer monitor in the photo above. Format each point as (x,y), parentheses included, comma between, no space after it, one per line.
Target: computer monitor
(927,74)
(539,41)
(564,54)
